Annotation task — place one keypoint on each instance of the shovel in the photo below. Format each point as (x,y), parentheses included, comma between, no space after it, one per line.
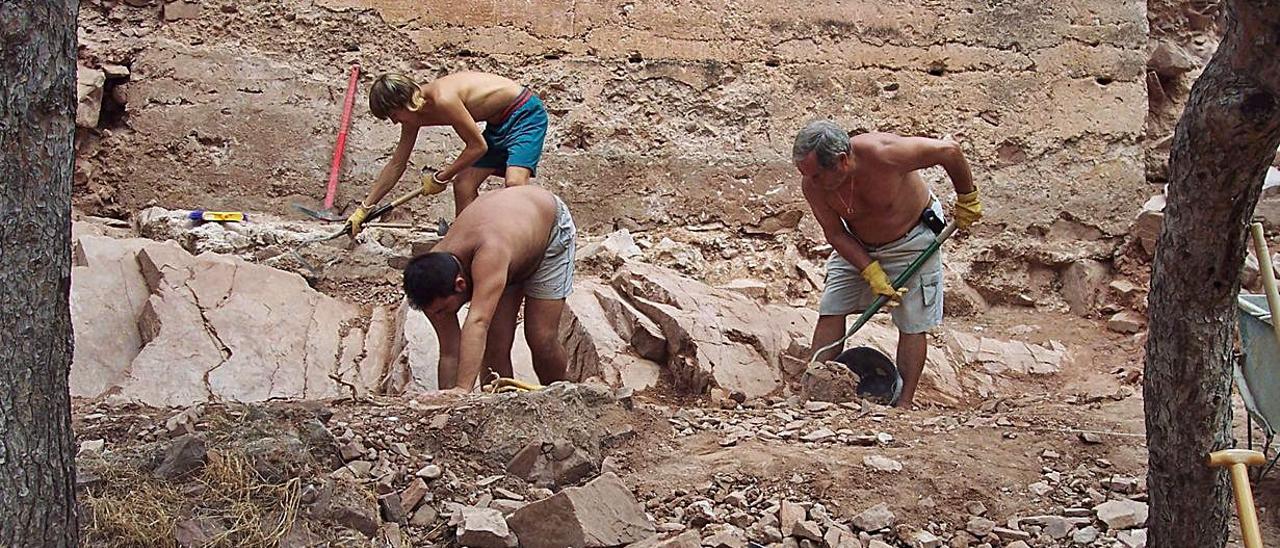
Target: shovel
(880,300)
(329,213)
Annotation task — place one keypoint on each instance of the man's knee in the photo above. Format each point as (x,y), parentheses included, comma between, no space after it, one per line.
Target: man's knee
(542,338)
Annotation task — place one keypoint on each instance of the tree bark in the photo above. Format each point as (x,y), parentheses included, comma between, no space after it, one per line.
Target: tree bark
(1221,148)
(37,127)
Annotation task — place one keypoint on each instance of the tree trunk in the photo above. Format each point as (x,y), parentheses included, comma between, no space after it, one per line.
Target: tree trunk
(37,127)
(1221,148)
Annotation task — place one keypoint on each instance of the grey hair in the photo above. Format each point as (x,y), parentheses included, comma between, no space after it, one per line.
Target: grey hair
(823,137)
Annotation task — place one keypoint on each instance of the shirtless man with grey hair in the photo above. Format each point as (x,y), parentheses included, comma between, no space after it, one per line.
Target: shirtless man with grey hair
(878,215)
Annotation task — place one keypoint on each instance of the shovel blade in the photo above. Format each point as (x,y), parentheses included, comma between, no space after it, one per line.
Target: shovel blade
(321,214)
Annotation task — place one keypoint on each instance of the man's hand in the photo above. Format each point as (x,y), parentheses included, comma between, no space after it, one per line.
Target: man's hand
(357,219)
(879,282)
(968,209)
(431,185)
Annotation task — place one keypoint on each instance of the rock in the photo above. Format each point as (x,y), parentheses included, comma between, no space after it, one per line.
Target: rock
(1146,227)
(352,508)
(183,456)
(429,472)
(609,339)
(1040,488)
(601,513)
(392,510)
(716,338)
(687,539)
(1085,536)
(351,450)
(1126,322)
(976,508)
(115,72)
(91,447)
(1084,286)
(198,532)
(1090,438)
(726,536)
(873,519)
(700,513)
(1008,534)
(1169,60)
(618,244)
(181,9)
(883,464)
(789,514)
(924,539)
(426,515)
(1017,544)
(183,422)
(754,289)
(1057,527)
(829,382)
(819,435)
(484,528)
(551,464)
(1136,538)
(808,530)
(1122,514)
(89,84)
(1122,484)
(980,527)
(207,327)
(877,543)
(506,506)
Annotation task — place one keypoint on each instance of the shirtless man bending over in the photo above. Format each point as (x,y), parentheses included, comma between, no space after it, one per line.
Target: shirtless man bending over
(876,213)
(511,245)
(510,145)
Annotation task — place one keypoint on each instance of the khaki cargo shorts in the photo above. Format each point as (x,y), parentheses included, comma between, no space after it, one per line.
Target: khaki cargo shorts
(553,279)
(921,308)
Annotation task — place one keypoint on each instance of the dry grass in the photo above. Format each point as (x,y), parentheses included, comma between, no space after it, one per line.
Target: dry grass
(136,510)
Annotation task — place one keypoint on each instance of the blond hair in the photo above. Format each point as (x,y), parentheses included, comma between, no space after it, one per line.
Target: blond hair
(393,91)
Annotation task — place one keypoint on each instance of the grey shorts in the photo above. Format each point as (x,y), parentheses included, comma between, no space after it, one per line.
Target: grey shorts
(921,308)
(553,279)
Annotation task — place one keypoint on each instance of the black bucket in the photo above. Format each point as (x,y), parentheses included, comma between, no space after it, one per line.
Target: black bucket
(880,380)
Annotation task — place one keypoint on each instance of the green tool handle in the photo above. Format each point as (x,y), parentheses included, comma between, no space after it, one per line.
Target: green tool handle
(900,281)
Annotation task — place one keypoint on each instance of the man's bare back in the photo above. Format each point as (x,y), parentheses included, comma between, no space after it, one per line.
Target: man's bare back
(484,95)
(516,220)
(882,201)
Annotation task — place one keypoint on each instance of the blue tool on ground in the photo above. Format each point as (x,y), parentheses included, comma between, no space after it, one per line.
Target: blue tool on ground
(201,215)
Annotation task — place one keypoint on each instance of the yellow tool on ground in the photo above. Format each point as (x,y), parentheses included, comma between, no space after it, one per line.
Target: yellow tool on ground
(504,384)
(1238,461)
(216,216)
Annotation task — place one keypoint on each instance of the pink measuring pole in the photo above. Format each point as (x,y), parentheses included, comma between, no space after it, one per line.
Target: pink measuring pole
(342,138)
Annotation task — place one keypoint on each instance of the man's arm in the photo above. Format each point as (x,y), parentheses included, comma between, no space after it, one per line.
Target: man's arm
(457,116)
(448,334)
(488,279)
(834,230)
(395,167)
(912,153)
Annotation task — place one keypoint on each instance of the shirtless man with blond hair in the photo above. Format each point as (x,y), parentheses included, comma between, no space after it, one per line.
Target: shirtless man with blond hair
(878,215)
(511,245)
(510,146)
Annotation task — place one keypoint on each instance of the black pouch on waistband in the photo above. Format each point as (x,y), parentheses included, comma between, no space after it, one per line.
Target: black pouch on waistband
(931,220)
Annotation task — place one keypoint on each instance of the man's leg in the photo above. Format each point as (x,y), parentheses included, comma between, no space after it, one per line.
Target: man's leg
(466,186)
(502,332)
(518,176)
(828,330)
(912,349)
(542,331)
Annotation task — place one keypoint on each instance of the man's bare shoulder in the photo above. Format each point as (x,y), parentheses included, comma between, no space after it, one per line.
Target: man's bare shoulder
(872,145)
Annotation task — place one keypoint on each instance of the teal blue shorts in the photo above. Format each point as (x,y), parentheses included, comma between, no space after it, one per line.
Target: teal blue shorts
(516,140)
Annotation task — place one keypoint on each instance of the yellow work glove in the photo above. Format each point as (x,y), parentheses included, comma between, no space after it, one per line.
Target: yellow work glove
(880,284)
(968,209)
(356,219)
(432,186)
